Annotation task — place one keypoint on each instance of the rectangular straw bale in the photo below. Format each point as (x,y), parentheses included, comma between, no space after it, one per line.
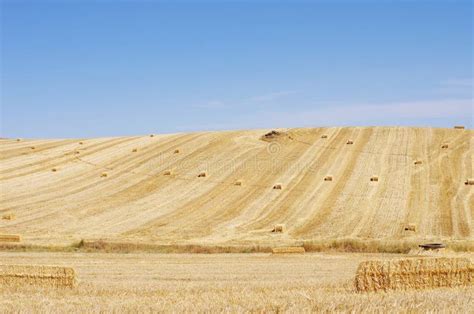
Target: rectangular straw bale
(8,217)
(328,178)
(414,273)
(288,249)
(410,227)
(10,238)
(45,276)
(278,228)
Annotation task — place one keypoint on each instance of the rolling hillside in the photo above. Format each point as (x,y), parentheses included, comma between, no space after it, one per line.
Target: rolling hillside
(116,188)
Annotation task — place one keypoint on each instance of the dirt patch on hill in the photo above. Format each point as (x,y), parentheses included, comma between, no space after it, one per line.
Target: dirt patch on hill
(274,135)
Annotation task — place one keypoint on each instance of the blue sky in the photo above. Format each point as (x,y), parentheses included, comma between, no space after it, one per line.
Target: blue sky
(108,68)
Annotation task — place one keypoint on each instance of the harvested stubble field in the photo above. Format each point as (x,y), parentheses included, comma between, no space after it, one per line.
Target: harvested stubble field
(84,203)
(107,191)
(217,283)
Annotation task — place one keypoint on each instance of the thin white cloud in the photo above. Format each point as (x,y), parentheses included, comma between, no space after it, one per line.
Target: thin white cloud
(400,113)
(271,96)
(213,104)
(456,87)
(445,112)
(461,82)
(263,98)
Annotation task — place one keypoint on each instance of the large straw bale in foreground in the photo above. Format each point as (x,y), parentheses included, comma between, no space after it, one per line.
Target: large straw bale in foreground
(414,273)
(45,276)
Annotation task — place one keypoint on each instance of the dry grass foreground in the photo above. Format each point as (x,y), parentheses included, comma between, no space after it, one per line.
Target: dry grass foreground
(116,188)
(298,283)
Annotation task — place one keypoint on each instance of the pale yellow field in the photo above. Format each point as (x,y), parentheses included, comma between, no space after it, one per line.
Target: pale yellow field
(57,192)
(135,201)
(218,283)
